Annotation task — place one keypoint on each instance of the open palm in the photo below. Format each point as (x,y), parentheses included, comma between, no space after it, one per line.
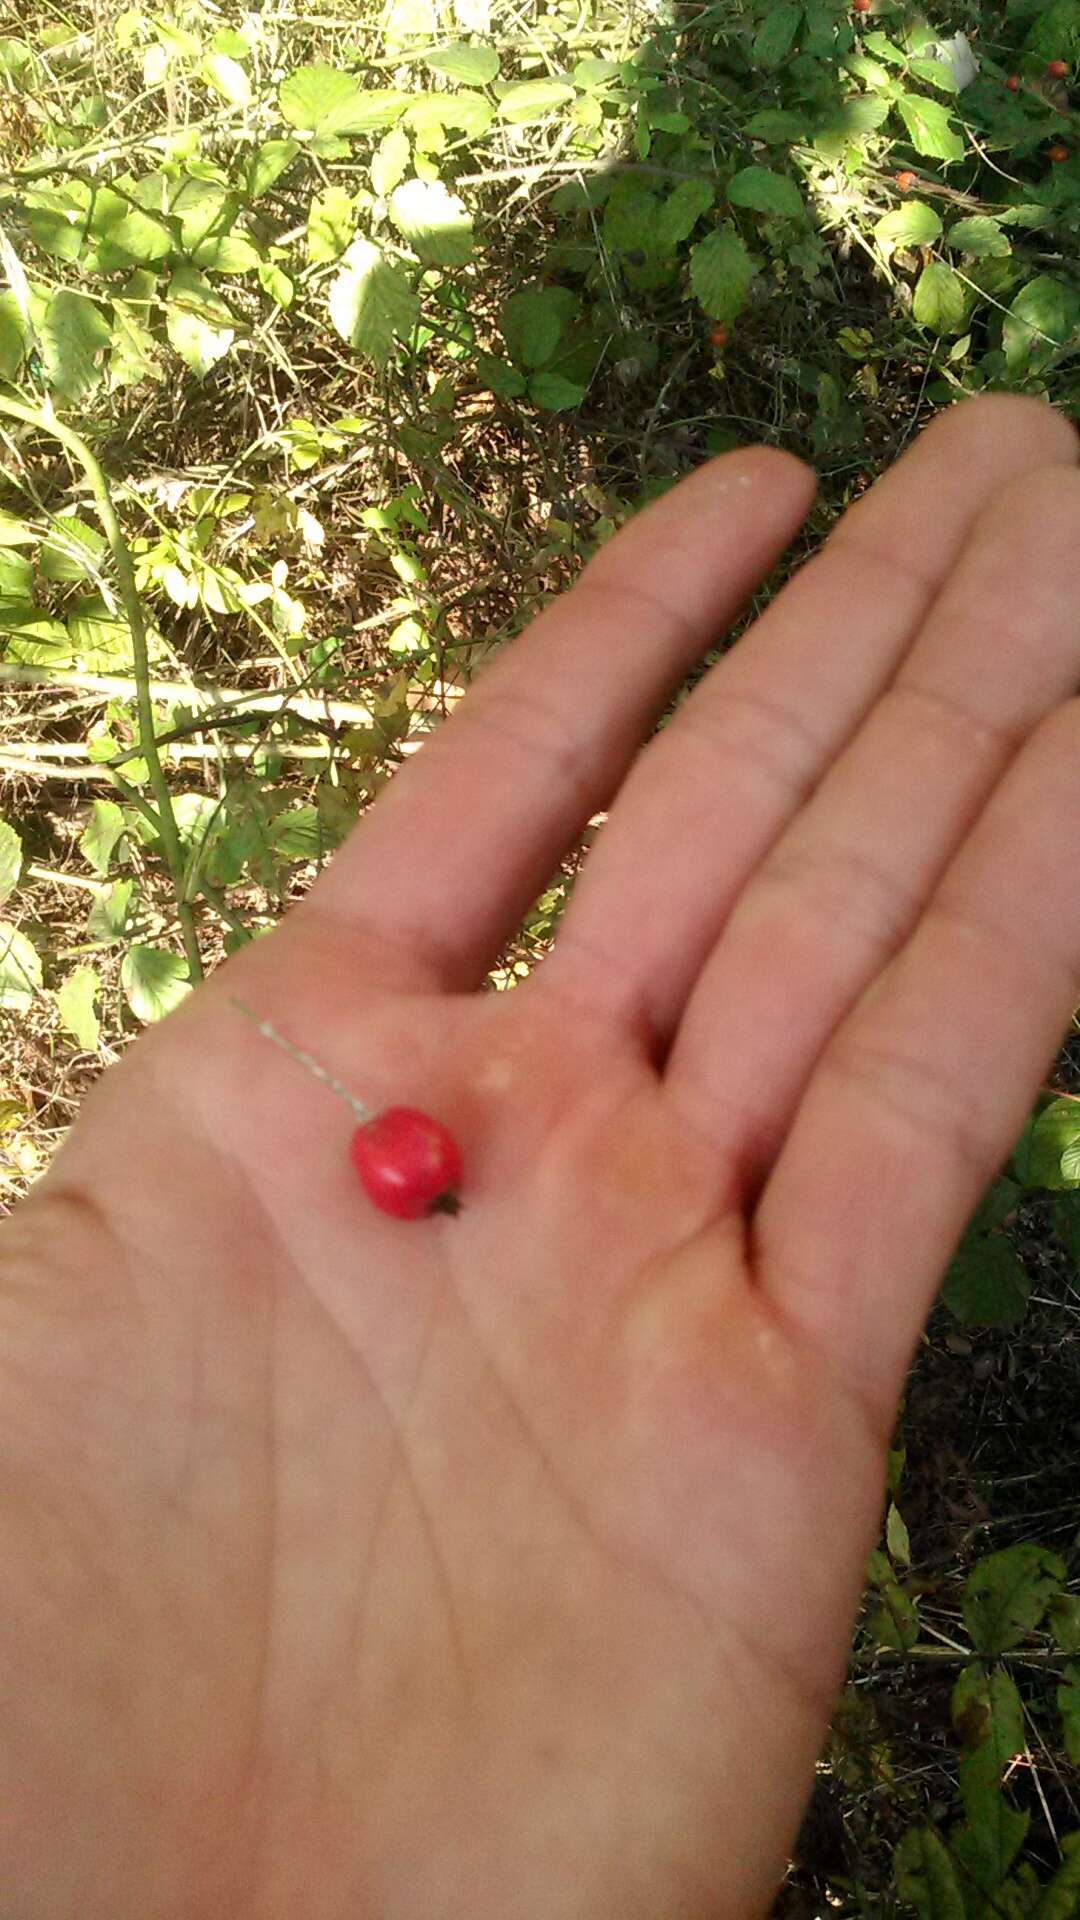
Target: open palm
(505,1564)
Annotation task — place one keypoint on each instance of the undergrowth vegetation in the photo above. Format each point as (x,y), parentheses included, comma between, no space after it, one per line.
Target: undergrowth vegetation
(330,348)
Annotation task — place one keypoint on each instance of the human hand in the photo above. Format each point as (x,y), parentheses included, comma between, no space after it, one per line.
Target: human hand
(507,1563)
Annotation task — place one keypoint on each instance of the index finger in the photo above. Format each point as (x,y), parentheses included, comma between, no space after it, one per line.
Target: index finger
(469,832)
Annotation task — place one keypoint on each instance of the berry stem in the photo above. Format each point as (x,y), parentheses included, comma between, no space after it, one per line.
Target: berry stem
(308,1060)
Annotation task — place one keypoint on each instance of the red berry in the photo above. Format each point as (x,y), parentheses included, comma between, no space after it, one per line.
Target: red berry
(1058,68)
(1013,83)
(861,6)
(905,181)
(1058,153)
(719,336)
(409,1165)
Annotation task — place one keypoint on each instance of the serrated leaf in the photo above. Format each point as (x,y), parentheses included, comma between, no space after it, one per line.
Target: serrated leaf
(389,161)
(100,835)
(1006,1595)
(925,1876)
(154,982)
(73,332)
(227,77)
(985,1285)
(531,322)
(941,299)
(912,225)
(331,219)
(554,392)
(107,920)
(1063,1618)
(472,66)
(197,321)
(14,336)
(776,36)
(1053,1147)
(72,549)
(15,533)
(981,236)
(1059,1899)
(507,381)
(1041,319)
(10,859)
(720,274)
(936,72)
(530,100)
(434,222)
(766,192)
(75,1005)
(682,210)
(988,1716)
(126,232)
(274,281)
(371,302)
(227,253)
(322,100)
(135,354)
(20,969)
(267,164)
(929,131)
(776,126)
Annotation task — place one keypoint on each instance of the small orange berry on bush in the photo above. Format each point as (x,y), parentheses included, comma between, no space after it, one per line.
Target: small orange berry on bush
(1058,68)
(1058,152)
(905,181)
(861,6)
(1013,83)
(719,336)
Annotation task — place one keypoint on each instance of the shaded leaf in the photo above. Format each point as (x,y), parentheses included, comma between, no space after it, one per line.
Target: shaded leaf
(986,1285)
(914,224)
(766,192)
(776,35)
(981,236)
(926,1878)
(1006,1595)
(941,299)
(682,210)
(720,274)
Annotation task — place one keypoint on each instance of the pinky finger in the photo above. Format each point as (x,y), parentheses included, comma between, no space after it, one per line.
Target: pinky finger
(924,1088)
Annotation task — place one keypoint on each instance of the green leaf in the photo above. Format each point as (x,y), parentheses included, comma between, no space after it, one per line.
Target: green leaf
(71,550)
(74,333)
(985,1848)
(936,73)
(912,225)
(135,353)
(1041,320)
(13,336)
(1054,1147)
(766,192)
(502,378)
(267,164)
(1006,1595)
(776,36)
(107,920)
(895,1623)
(15,533)
(75,1005)
(929,131)
(154,982)
(197,321)
(101,833)
(532,321)
(1060,1897)
(124,233)
(1063,1617)
(10,859)
(227,253)
(896,1536)
(941,299)
(227,77)
(434,222)
(20,969)
(389,161)
(331,219)
(554,392)
(985,1285)
(297,834)
(682,210)
(720,274)
(980,236)
(925,1876)
(533,100)
(276,282)
(776,126)
(321,100)
(988,1716)
(371,302)
(473,66)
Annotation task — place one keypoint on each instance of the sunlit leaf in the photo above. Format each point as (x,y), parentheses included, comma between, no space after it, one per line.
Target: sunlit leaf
(74,333)
(227,77)
(371,302)
(75,1005)
(99,837)
(197,321)
(473,66)
(434,222)
(154,982)
(20,969)
(331,219)
(10,859)
(533,100)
